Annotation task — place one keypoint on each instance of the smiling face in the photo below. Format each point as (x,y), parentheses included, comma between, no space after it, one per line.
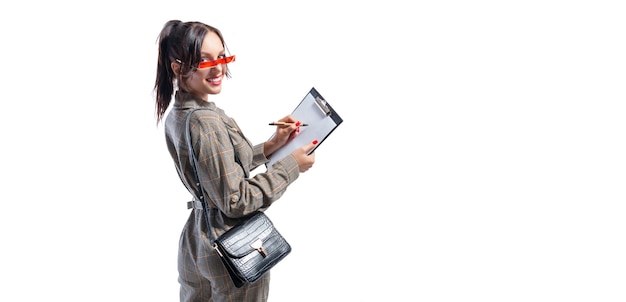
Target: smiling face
(205,81)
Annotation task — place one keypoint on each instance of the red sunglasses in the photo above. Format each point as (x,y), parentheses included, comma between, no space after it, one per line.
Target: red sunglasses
(210,64)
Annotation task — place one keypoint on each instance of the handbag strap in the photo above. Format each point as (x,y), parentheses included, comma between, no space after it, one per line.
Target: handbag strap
(203,200)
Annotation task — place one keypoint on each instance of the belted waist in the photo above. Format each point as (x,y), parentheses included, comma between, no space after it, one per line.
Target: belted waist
(194,204)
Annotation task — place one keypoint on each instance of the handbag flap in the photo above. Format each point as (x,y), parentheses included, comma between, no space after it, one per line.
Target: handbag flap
(239,241)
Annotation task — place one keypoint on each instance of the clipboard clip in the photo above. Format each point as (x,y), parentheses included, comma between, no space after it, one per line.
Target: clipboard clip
(321,103)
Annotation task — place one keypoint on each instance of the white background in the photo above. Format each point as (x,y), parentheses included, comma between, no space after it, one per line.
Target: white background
(481,156)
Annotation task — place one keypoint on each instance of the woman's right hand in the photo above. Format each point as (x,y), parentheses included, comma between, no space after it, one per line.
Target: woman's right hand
(305,162)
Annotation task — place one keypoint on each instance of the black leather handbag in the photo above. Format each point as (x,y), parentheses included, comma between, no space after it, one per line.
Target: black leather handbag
(249,249)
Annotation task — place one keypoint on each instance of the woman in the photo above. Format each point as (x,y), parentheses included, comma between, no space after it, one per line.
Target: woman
(192,63)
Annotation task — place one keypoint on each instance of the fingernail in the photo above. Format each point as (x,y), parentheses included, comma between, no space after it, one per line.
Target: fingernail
(315,142)
(298,123)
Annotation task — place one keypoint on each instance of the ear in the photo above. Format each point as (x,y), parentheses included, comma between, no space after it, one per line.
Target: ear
(176,68)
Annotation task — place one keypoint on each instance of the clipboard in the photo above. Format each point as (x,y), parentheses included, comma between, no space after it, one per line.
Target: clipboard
(321,118)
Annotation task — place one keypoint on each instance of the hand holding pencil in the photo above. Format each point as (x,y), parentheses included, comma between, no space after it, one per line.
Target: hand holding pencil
(286,125)
(287,128)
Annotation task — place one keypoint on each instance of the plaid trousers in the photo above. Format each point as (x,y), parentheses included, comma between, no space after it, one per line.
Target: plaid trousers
(201,273)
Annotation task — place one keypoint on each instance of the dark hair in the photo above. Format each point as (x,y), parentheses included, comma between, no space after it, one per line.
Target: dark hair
(182,42)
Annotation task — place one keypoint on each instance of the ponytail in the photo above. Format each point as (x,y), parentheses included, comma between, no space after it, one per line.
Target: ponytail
(168,39)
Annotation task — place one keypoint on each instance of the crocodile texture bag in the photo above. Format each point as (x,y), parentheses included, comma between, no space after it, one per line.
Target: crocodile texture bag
(251,248)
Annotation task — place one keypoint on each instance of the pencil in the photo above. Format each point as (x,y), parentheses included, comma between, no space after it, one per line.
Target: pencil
(284,124)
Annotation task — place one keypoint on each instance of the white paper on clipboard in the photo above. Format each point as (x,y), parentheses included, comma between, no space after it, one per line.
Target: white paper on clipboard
(321,118)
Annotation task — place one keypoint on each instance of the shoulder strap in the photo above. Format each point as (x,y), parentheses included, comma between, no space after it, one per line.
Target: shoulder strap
(192,156)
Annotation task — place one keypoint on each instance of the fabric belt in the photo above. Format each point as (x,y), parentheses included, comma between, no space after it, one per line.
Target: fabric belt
(194,204)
